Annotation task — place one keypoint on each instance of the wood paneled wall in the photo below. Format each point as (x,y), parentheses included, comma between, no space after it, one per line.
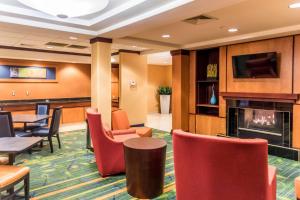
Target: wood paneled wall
(284,84)
(74,80)
(210,125)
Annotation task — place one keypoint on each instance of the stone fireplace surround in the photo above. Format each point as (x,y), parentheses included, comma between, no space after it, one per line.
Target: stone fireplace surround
(266,116)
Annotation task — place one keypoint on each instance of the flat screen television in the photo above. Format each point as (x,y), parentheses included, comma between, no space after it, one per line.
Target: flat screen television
(262,65)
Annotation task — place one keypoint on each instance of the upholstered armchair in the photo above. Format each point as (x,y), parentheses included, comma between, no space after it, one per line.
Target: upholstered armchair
(297,187)
(108,149)
(121,123)
(214,168)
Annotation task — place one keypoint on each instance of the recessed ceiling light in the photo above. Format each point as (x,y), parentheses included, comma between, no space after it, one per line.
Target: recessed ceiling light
(73,38)
(134,46)
(166,36)
(49,47)
(67,8)
(232,30)
(294,5)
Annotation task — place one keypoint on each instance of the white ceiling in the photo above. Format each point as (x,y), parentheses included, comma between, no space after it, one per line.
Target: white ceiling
(139,24)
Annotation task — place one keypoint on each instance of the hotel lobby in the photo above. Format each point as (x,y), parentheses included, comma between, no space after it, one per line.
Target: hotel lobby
(150,99)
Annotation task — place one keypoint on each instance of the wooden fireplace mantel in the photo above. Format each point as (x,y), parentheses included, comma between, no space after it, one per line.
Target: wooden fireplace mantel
(271,97)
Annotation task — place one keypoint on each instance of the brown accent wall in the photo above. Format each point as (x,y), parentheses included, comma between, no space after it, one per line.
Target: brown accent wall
(284,84)
(158,75)
(73,80)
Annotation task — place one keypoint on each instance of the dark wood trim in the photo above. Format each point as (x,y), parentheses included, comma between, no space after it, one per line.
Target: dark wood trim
(129,51)
(114,65)
(100,39)
(180,52)
(274,97)
(115,54)
(44,51)
(28,107)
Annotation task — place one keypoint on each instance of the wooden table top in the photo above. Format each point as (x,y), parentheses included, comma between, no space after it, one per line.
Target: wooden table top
(17,144)
(145,143)
(28,118)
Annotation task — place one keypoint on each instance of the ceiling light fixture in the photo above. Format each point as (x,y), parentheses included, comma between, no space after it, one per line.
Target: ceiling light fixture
(294,5)
(67,8)
(49,47)
(73,38)
(233,30)
(166,36)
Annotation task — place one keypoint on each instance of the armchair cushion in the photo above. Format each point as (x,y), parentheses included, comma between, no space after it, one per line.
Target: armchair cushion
(143,131)
(123,138)
(11,174)
(123,132)
(3,160)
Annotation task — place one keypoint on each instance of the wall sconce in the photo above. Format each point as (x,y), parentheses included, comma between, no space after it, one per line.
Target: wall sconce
(132,83)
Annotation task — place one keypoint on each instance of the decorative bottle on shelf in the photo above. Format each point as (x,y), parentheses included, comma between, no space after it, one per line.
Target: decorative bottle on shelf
(213,99)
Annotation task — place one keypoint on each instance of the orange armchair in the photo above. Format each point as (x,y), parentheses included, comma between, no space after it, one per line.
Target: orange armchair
(120,122)
(214,168)
(108,149)
(297,187)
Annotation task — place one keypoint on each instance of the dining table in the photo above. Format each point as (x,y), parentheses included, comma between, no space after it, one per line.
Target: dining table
(16,145)
(28,118)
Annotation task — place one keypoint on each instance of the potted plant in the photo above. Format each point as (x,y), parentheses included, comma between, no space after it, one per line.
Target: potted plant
(165,98)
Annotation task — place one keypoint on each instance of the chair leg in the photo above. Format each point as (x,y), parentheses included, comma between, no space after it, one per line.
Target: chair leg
(11,190)
(26,187)
(58,139)
(41,144)
(50,142)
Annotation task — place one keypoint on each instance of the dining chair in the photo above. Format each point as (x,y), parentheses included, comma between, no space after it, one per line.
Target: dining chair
(40,109)
(7,130)
(53,131)
(6,126)
(212,168)
(11,176)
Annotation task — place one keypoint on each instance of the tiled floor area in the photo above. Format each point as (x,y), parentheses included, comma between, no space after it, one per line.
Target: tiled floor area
(159,121)
(154,120)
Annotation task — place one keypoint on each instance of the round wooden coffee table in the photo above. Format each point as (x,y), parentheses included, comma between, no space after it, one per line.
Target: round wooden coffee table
(145,167)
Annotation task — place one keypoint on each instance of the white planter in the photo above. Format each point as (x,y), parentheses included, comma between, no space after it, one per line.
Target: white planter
(165,104)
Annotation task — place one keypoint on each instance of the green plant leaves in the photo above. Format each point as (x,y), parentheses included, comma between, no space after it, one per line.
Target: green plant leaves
(164,90)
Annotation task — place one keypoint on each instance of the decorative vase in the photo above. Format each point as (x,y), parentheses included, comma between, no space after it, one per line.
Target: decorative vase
(165,104)
(213,99)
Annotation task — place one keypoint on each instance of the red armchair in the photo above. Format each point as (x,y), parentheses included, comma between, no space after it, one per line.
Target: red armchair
(120,122)
(108,149)
(214,168)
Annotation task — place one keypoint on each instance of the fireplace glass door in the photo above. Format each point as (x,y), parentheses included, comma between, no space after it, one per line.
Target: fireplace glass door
(259,123)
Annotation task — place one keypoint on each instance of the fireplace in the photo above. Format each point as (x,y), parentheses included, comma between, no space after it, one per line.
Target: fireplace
(256,119)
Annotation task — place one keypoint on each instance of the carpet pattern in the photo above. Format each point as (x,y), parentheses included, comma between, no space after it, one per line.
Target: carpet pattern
(71,173)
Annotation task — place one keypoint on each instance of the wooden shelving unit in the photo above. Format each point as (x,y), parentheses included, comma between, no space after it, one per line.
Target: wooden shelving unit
(115,94)
(204,84)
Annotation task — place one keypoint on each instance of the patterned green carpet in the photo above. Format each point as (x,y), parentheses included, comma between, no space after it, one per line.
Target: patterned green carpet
(71,173)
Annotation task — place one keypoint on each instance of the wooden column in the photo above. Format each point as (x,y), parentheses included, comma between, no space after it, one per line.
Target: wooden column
(192,96)
(180,85)
(101,77)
